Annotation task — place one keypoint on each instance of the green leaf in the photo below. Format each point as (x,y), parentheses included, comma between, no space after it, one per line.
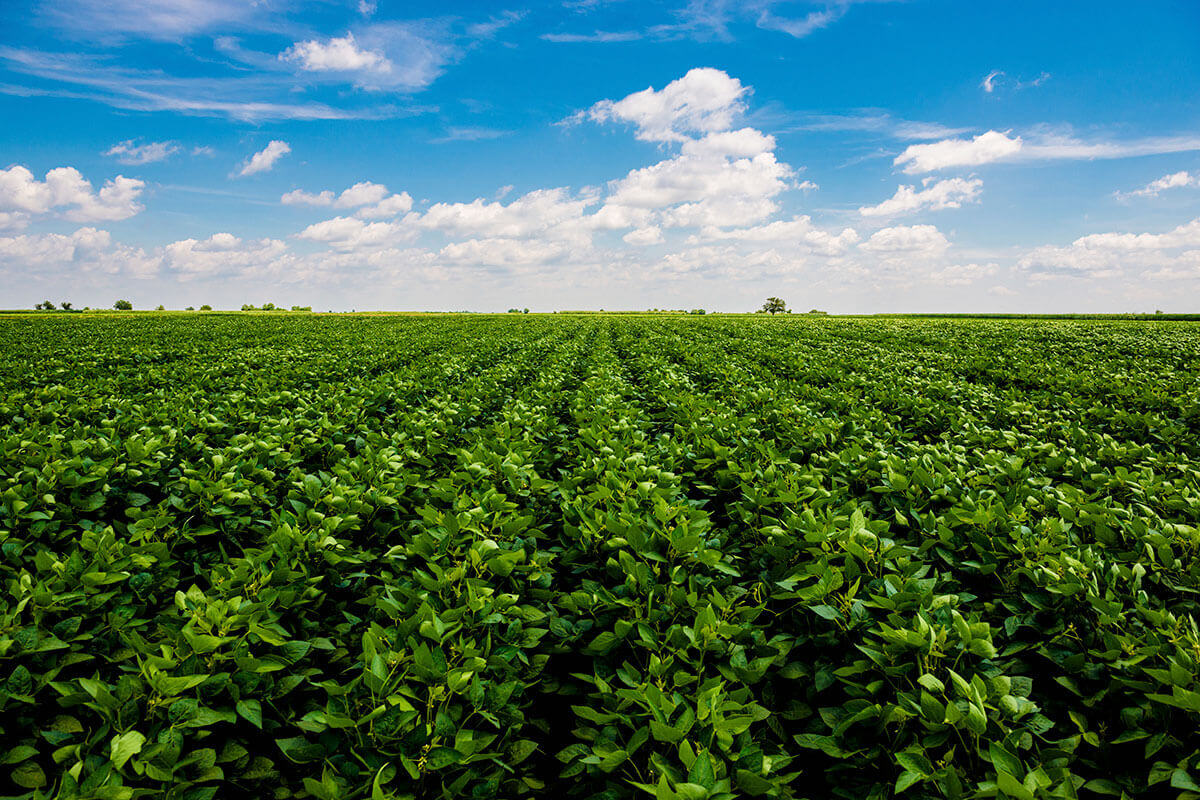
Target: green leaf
(1180,779)
(1013,787)
(28,775)
(752,783)
(907,779)
(701,771)
(251,711)
(124,747)
(915,762)
(18,754)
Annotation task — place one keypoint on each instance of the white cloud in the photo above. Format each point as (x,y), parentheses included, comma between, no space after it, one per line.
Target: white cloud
(552,213)
(961,274)
(597,36)
(156,19)
(340,55)
(129,153)
(1176,180)
(725,178)
(395,55)
(222,254)
(640,237)
(798,231)
(347,233)
(390,206)
(993,80)
(702,101)
(983,149)
(950,193)
(373,198)
(264,159)
(1175,253)
(66,191)
(46,250)
(907,239)
(299,197)
(361,194)
(503,252)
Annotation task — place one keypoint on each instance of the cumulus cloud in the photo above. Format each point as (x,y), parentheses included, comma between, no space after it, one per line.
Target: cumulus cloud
(265,159)
(342,55)
(379,55)
(64,190)
(221,254)
(553,213)
(299,197)
(129,153)
(1173,254)
(702,101)
(908,239)
(361,194)
(348,233)
(982,149)
(640,237)
(951,193)
(372,200)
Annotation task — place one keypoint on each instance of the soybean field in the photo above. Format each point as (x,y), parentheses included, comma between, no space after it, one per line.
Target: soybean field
(680,558)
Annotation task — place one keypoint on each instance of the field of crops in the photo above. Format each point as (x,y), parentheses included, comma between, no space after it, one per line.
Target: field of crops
(598,557)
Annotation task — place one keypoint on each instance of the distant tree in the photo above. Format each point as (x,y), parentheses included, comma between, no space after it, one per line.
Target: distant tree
(66,306)
(248,307)
(697,311)
(160,307)
(45,306)
(774,305)
(123,305)
(190,308)
(514,311)
(301,308)
(206,307)
(526,311)
(817,311)
(268,306)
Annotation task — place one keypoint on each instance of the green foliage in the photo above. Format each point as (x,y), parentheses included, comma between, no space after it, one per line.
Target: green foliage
(598,557)
(123,305)
(774,305)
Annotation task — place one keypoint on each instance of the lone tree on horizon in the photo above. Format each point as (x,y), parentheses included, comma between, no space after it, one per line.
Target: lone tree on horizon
(123,305)
(774,305)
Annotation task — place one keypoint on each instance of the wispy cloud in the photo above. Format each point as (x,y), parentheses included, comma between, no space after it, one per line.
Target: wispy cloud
(470,134)
(950,193)
(997,79)
(596,37)
(873,121)
(150,90)
(166,20)
(708,20)
(1042,143)
(265,159)
(1176,180)
(128,152)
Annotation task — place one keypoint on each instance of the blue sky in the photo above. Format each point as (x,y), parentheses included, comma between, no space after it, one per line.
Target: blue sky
(856,156)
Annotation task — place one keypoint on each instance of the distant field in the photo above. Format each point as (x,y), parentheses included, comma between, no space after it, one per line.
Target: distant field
(598,556)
